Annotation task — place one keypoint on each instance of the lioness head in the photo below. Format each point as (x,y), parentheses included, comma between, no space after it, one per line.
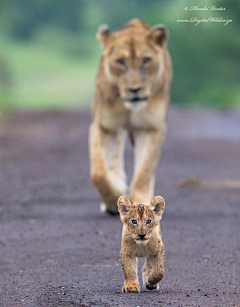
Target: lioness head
(141,219)
(133,59)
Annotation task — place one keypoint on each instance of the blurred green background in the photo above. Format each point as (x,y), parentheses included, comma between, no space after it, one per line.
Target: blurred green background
(49,55)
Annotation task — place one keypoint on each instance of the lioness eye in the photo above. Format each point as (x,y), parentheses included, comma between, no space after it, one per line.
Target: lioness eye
(134,221)
(146,60)
(148,222)
(121,61)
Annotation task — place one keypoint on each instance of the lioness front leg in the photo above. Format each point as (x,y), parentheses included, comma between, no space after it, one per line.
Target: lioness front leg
(153,270)
(148,145)
(107,165)
(129,266)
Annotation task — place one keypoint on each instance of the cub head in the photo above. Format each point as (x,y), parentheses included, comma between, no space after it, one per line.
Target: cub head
(133,59)
(141,219)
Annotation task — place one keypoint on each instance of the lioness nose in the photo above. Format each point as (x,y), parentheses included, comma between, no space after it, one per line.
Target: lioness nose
(142,236)
(134,90)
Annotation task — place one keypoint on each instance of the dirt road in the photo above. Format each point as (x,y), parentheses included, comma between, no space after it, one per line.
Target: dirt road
(57,249)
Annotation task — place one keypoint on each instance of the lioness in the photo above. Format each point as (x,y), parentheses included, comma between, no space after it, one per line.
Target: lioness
(141,237)
(132,94)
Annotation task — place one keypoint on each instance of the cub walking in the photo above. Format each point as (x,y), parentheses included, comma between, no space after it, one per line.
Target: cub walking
(141,237)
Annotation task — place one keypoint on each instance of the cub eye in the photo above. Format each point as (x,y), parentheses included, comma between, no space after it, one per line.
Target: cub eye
(121,61)
(146,60)
(148,222)
(134,221)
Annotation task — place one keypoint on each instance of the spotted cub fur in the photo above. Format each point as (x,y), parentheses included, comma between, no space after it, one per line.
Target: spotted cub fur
(141,237)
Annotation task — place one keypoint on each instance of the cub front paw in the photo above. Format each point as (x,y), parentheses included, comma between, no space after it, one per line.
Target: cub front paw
(152,287)
(131,288)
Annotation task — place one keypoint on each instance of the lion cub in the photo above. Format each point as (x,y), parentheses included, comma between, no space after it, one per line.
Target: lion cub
(141,237)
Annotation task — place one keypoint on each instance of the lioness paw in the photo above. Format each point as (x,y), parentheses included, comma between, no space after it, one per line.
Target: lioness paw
(152,287)
(103,207)
(131,288)
(110,211)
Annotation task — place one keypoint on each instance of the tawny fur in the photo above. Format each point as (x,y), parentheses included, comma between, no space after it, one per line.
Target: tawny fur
(134,57)
(150,246)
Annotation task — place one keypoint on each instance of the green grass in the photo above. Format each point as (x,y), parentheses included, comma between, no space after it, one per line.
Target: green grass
(44,77)
(56,71)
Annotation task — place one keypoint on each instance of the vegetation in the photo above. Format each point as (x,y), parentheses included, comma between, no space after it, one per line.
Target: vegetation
(49,55)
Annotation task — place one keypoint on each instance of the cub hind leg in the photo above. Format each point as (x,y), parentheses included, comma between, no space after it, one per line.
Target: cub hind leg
(146,271)
(153,271)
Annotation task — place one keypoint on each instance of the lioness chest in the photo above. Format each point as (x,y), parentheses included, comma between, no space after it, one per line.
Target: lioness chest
(146,118)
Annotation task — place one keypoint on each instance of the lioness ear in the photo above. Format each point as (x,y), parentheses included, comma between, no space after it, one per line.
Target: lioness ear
(158,34)
(123,206)
(103,34)
(158,205)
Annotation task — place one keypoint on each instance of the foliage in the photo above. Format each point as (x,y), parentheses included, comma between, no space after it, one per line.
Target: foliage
(49,54)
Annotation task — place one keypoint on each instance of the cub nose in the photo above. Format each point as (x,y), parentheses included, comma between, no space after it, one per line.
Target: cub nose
(141,236)
(134,90)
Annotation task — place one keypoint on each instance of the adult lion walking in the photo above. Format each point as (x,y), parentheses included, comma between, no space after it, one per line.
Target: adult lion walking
(132,95)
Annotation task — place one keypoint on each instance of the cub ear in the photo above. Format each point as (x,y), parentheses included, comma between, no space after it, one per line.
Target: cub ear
(158,205)
(103,34)
(158,34)
(123,206)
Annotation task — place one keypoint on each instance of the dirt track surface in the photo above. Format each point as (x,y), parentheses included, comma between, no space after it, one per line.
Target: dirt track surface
(57,249)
